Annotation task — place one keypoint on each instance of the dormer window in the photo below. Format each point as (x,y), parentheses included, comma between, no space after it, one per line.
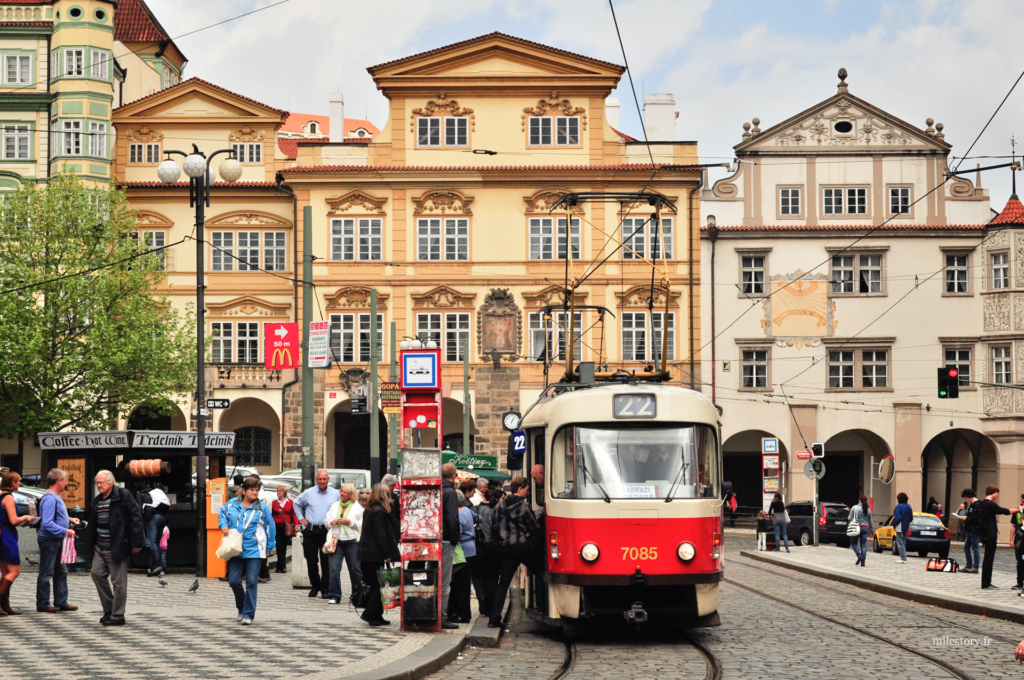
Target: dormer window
(313,128)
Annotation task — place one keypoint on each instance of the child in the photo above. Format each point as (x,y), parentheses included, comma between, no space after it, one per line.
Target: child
(762,530)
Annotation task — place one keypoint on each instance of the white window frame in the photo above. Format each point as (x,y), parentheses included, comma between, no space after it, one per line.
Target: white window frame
(247,245)
(428,132)
(74,63)
(275,251)
(553,337)
(540,131)
(900,198)
(867,269)
(634,236)
(54,65)
(135,154)
(430,326)
(343,239)
(17,141)
(99,65)
(959,358)
(555,131)
(151,239)
(365,349)
(874,369)
(72,137)
(153,153)
(97,139)
(1000,264)
(22,69)
(456,239)
(1002,364)
(343,338)
(753,368)
(657,324)
(666,231)
(248,153)
(790,203)
(542,238)
(222,250)
(428,239)
(844,200)
(957,274)
(370,239)
(222,342)
(750,283)
(247,342)
(457,335)
(565,128)
(845,361)
(634,329)
(456,131)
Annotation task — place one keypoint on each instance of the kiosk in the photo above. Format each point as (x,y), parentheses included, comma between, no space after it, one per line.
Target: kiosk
(421,539)
(138,457)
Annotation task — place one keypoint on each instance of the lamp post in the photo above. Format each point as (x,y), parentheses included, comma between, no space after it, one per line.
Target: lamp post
(201,175)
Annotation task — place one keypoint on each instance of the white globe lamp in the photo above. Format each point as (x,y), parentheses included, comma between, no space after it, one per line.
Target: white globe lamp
(211,176)
(168,171)
(431,344)
(194,165)
(404,344)
(230,170)
(416,344)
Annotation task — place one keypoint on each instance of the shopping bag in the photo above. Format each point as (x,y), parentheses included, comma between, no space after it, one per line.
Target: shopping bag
(458,558)
(69,555)
(390,579)
(164,538)
(331,544)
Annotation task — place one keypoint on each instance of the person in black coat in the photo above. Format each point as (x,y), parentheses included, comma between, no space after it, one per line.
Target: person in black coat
(450,536)
(115,532)
(391,482)
(378,543)
(989,509)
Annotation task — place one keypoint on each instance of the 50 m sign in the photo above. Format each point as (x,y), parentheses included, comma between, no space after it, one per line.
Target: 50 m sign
(281,345)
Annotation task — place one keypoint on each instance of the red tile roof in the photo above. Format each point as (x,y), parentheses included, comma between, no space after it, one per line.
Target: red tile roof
(184,185)
(34,24)
(26,2)
(297,120)
(1013,213)
(848,227)
(135,22)
(290,145)
(204,82)
(496,34)
(623,135)
(635,167)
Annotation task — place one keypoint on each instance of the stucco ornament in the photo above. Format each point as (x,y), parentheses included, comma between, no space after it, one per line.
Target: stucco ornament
(247,134)
(1018,255)
(443,201)
(998,400)
(866,128)
(443,297)
(357,297)
(247,306)
(356,199)
(997,313)
(1018,314)
(542,201)
(442,105)
(555,105)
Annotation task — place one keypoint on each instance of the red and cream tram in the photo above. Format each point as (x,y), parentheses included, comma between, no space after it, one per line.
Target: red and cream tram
(631,502)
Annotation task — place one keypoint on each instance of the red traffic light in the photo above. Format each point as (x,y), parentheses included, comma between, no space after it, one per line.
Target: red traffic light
(953,373)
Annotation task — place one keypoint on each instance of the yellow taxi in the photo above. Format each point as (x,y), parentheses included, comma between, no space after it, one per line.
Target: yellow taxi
(925,535)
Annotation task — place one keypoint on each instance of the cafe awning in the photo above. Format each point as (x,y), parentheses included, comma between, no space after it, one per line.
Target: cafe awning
(493,475)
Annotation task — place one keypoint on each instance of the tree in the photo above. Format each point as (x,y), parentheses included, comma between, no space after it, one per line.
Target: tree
(85,333)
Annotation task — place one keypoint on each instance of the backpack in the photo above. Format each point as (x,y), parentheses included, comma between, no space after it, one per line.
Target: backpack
(949,566)
(972,520)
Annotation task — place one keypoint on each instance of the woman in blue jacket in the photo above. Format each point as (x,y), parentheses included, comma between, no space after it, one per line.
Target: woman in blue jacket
(902,515)
(254,521)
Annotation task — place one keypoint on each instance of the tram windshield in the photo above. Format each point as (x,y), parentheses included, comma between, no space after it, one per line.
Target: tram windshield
(609,462)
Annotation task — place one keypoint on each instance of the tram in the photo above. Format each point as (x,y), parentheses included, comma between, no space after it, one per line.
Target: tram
(631,503)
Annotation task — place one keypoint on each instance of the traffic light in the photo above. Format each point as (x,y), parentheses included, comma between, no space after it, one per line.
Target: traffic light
(949,382)
(817,450)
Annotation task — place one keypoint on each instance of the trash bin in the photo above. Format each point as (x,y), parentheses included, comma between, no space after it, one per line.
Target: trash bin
(419,590)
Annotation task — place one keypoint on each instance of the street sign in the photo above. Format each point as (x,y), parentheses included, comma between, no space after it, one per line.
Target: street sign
(771,462)
(803,455)
(319,344)
(390,398)
(281,345)
(809,469)
(420,370)
(218,403)
(359,405)
(769,445)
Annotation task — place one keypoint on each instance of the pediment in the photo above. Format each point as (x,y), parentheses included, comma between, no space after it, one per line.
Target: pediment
(443,296)
(843,122)
(637,296)
(196,98)
(552,295)
(248,305)
(356,200)
(149,219)
(356,297)
(254,218)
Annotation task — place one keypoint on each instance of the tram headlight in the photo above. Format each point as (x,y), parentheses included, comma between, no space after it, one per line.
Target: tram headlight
(686,551)
(589,552)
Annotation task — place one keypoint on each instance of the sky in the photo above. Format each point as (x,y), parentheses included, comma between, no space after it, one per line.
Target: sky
(726,61)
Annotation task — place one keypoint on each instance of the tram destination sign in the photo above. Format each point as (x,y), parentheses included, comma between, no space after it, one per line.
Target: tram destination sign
(634,406)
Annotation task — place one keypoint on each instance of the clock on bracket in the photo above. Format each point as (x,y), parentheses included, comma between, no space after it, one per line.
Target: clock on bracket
(511,420)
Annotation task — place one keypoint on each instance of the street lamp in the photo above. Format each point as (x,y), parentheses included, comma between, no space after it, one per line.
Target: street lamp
(201,175)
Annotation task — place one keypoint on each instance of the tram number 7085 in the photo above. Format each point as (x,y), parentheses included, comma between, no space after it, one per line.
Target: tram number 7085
(640,553)
(634,406)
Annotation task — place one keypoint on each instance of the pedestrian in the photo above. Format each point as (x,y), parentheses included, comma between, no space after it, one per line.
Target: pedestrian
(285,525)
(364,498)
(344,520)
(779,521)
(860,514)
(311,508)
(733,506)
(762,530)
(902,515)
(468,489)
(480,497)
(450,534)
(391,482)
(116,531)
(10,557)
(1017,539)
(52,531)
(521,541)
(989,509)
(970,512)
(459,606)
(488,556)
(931,505)
(250,517)
(378,544)
(155,507)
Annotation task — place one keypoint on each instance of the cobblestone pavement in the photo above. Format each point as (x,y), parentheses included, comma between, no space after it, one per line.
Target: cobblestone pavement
(762,638)
(173,634)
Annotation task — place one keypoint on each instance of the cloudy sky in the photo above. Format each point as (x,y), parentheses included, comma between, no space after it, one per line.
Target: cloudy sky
(726,61)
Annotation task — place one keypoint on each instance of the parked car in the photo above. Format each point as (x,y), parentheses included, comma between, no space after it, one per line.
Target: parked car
(831,523)
(268,493)
(926,535)
(339,476)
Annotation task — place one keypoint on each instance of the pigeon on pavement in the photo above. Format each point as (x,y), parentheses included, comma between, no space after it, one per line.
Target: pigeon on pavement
(194,587)
(163,582)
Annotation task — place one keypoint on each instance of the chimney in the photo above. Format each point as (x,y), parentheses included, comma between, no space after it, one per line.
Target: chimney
(611,112)
(337,117)
(660,117)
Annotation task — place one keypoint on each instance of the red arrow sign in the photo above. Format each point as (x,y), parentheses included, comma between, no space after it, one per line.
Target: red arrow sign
(281,345)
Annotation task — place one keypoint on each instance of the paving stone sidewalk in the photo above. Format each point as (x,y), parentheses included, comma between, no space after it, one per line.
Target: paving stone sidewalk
(172,634)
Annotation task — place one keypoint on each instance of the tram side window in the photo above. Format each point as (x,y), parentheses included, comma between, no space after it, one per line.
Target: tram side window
(563,467)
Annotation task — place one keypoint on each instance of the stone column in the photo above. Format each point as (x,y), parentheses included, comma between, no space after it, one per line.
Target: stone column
(798,487)
(497,391)
(907,416)
(291,450)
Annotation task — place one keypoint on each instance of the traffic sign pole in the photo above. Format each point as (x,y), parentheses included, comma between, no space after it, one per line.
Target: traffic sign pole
(816,508)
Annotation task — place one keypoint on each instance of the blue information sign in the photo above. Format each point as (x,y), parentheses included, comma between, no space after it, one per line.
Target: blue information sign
(519,443)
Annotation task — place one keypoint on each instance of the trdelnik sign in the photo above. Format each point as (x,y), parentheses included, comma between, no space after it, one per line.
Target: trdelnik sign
(83,440)
(182,440)
(133,439)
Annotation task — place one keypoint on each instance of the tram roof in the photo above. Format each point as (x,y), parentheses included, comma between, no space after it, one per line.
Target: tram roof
(594,405)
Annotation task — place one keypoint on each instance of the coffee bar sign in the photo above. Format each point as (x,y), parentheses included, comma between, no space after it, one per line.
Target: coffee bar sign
(83,440)
(67,441)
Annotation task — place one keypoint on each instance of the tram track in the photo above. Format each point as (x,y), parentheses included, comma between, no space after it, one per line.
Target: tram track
(712,664)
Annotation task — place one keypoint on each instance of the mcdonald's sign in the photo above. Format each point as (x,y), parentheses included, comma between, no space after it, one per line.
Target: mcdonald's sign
(281,345)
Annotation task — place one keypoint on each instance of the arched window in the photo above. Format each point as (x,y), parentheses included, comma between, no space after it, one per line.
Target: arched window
(167,77)
(252,446)
(312,128)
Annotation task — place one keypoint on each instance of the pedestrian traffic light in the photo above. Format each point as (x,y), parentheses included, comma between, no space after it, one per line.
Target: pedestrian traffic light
(949,382)
(817,450)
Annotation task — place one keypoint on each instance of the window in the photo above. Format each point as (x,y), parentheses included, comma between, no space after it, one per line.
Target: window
(248,153)
(134,154)
(1001,371)
(544,239)
(840,369)
(343,337)
(74,63)
(659,233)
(221,342)
(248,342)
(670,352)
(752,269)
(548,343)
(870,273)
(755,368)
(428,327)
(456,336)
(97,139)
(153,153)
(343,239)
(100,65)
(456,132)
(365,350)
(252,446)
(153,240)
(540,132)
(312,128)
(274,251)
(789,201)
(428,240)
(54,64)
(18,69)
(248,250)
(842,274)
(845,201)
(960,359)
(456,239)
(874,368)
(428,131)
(899,200)
(1000,270)
(370,235)
(72,138)
(567,131)
(859,274)
(167,78)
(16,142)
(223,248)
(634,336)
(645,241)
(956,273)
(347,233)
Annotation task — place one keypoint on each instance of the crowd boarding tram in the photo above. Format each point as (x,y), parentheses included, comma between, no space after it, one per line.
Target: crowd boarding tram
(630,504)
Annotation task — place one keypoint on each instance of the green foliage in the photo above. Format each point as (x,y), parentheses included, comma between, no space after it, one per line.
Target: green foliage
(77,348)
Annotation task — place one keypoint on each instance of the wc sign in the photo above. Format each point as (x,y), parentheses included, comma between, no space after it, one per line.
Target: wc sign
(281,345)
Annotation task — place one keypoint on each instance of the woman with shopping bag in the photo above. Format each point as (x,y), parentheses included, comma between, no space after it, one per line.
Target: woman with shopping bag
(378,545)
(249,535)
(344,519)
